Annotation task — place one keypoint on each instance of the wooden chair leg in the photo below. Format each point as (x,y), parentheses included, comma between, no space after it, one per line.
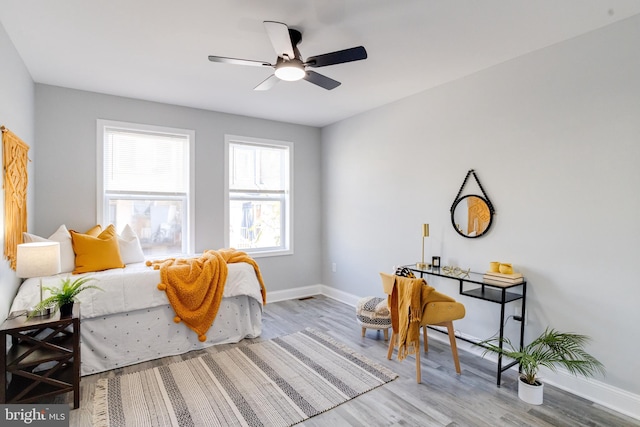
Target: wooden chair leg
(386,334)
(364,330)
(424,336)
(454,347)
(418,370)
(392,345)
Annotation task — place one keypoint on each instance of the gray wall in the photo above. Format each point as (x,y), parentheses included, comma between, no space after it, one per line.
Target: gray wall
(555,138)
(66,177)
(16,113)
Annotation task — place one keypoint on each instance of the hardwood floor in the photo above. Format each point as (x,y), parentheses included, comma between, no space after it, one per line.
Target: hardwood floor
(442,399)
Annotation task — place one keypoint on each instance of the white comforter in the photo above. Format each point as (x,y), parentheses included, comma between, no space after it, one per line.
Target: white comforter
(131,288)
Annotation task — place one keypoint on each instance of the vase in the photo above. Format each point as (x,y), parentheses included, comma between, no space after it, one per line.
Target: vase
(532,394)
(506,268)
(66,310)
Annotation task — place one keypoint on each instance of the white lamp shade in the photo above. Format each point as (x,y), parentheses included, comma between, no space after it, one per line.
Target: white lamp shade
(38,259)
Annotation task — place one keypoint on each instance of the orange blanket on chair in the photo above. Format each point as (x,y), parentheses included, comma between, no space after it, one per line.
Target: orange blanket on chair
(412,296)
(408,298)
(194,286)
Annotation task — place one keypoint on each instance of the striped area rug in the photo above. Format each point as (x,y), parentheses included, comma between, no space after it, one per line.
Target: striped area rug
(279,382)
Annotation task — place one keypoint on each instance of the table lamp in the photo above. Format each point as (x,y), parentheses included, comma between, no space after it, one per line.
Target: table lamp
(425,233)
(38,259)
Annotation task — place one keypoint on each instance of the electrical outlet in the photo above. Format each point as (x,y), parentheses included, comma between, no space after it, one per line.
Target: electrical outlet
(517,315)
(333,267)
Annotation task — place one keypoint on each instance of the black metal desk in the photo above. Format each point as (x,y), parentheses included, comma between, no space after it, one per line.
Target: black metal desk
(474,287)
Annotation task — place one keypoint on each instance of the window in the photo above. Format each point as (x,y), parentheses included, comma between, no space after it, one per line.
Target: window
(258,208)
(145,179)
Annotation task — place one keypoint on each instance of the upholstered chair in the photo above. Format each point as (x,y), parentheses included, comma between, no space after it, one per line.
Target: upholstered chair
(414,305)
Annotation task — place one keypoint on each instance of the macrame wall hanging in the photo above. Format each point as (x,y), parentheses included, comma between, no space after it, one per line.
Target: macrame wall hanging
(14,165)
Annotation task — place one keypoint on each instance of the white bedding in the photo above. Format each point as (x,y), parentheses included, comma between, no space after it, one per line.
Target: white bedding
(131,288)
(123,339)
(131,321)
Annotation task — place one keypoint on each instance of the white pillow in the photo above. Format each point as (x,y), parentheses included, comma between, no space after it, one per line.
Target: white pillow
(62,236)
(130,248)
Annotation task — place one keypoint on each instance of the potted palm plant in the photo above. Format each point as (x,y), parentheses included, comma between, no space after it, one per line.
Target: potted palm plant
(62,297)
(551,349)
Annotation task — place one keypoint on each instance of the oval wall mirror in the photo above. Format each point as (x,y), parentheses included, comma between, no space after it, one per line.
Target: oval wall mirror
(471,216)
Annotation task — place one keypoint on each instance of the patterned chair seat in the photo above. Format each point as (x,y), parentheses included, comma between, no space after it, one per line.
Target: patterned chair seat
(373,313)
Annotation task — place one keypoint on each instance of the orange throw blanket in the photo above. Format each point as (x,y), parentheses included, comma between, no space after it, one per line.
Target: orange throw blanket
(412,296)
(194,286)
(408,300)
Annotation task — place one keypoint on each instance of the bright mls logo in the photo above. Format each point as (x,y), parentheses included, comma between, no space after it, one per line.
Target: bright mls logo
(35,415)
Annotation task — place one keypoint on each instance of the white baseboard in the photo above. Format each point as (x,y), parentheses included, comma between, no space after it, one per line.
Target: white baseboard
(295,293)
(598,392)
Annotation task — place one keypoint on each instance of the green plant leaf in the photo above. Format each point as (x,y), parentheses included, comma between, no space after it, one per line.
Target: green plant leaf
(66,292)
(551,349)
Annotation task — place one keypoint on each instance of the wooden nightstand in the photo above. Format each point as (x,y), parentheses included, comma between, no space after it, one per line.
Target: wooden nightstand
(44,358)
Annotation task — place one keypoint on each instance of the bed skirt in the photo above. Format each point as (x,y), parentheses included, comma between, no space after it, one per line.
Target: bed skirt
(124,339)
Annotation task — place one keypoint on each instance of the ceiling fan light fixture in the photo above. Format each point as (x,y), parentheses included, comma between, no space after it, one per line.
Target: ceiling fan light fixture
(290,71)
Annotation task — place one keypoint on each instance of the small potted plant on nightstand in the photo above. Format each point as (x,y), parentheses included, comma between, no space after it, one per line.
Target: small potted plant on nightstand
(62,297)
(550,349)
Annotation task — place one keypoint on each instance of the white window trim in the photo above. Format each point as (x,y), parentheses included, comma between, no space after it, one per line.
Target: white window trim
(101,124)
(289,213)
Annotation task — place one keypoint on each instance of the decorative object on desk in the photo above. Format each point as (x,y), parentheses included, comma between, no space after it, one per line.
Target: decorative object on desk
(494,266)
(472,215)
(425,233)
(38,260)
(455,271)
(550,349)
(435,262)
(63,297)
(502,279)
(505,268)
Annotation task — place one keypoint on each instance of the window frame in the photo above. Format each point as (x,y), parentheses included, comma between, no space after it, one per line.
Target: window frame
(101,206)
(287,218)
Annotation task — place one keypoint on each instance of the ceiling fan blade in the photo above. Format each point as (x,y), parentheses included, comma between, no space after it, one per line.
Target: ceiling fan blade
(235,61)
(337,57)
(268,83)
(320,80)
(279,35)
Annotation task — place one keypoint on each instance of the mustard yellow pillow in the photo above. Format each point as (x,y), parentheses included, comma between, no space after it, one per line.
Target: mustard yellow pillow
(96,253)
(94,231)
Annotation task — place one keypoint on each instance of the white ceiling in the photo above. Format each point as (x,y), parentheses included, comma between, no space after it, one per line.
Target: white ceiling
(157,49)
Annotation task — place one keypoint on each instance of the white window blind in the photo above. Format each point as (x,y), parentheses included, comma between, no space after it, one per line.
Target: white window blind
(145,179)
(145,162)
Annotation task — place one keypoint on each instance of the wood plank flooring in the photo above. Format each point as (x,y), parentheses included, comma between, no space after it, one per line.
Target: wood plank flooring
(442,399)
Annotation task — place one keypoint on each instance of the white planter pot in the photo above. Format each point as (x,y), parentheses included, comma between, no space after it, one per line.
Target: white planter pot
(532,394)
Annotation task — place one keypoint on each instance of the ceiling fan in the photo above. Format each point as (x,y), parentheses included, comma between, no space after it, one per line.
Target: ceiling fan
(289,66)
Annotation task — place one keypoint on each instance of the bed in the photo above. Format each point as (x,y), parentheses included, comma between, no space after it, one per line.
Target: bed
(130,320)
